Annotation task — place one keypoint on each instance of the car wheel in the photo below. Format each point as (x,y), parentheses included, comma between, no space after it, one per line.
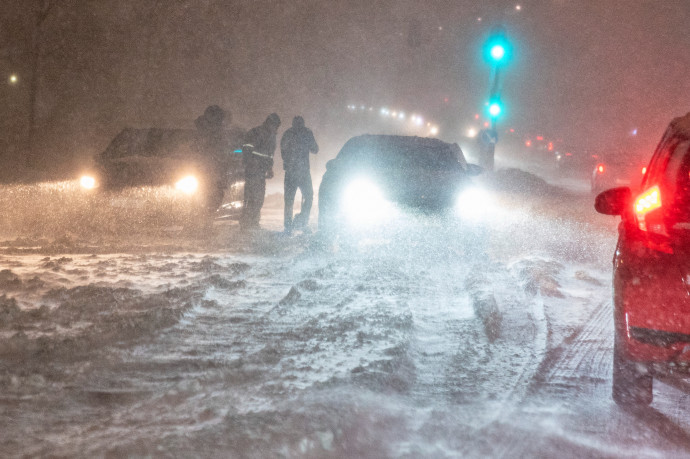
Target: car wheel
(632,383)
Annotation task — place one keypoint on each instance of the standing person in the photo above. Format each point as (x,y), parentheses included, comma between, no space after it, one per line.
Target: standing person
(295,146)
(212,146)
(257,157)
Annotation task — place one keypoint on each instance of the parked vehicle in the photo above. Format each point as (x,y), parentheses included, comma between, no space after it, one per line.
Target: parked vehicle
(167,157)
(651,270)
(616,171)
(373,174)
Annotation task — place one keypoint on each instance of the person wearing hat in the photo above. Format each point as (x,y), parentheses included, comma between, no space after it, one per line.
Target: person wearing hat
(257,157)
(295,146)
(212,146)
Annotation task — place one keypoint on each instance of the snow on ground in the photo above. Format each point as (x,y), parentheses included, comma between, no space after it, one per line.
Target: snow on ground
(486,335)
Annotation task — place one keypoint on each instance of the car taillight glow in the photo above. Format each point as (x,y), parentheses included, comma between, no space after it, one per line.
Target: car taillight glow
(651,223)
(644,170)
(600,168)
(648,201)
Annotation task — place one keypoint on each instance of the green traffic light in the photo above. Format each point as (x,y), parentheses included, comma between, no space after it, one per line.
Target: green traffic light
(497,48)
(495,109)
(498,52)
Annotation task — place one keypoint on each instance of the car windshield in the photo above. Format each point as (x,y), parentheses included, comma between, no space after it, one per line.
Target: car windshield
(402,153)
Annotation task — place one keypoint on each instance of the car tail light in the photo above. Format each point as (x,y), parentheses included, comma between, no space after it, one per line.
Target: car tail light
(650,220)
(644,170)
(600,168)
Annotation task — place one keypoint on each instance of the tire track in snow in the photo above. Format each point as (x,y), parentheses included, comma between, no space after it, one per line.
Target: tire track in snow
(578,369)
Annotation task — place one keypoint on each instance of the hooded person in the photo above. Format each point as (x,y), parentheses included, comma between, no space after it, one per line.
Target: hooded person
(257,157)
(295,146)
(213,148)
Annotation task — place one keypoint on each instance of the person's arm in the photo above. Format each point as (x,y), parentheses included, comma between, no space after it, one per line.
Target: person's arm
(314,148)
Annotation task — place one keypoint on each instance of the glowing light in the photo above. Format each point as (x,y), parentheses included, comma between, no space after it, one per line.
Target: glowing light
(494,109)
(648,201)
(644,170)
(497,52)
(518,7)
(634,132)
(476,203)
(540,138)
(528,143)
(479,19)
(394,114)
(434,130)
(364,203)
(14,79)
(187,185)
(486,124)
(87,182)
(471,132)
(401,116)
(600,168)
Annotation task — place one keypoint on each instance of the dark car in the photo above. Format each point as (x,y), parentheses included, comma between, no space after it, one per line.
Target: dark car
(651,280)
(375,175)
(167,157)
(617,171)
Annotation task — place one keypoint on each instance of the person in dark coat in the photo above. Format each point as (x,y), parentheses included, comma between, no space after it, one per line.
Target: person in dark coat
(212,146)
(295,146)
(257,156)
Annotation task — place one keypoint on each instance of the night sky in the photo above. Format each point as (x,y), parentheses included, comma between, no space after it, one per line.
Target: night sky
(585,72)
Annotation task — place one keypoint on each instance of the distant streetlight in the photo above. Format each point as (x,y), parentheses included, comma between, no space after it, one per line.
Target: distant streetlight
(14,79)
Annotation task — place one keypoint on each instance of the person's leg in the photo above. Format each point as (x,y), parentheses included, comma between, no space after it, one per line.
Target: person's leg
(252,206)
(289,191)
(260,196)
(307,190)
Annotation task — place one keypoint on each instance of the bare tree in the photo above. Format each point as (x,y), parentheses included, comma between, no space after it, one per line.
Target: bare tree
(42,11)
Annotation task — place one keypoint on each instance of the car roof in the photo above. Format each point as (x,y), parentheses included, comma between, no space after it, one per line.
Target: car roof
(393,150)
(157,142)
(681,126)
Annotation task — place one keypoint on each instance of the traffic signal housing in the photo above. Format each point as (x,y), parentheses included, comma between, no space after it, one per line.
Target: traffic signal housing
(497,49)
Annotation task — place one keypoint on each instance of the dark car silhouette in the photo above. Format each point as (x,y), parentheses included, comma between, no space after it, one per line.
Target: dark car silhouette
(167,157)
(651,279)
(372,174)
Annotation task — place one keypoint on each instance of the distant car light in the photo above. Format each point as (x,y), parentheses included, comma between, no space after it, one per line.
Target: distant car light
(187,185)
(87,182)
(364,203)
(600,168)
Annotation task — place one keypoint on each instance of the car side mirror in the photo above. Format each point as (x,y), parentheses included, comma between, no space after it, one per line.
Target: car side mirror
(473,170)
(615,201)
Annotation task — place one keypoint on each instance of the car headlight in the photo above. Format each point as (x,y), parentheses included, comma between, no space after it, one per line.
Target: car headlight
(187,185)
(364,203)
(87,182)
(475,203)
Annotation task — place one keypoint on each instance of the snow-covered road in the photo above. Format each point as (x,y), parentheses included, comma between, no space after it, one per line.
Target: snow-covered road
(489,336)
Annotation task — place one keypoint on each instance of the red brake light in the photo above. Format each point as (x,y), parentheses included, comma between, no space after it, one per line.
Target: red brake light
(652,225)
(644,170)
(648,201)
(600,168)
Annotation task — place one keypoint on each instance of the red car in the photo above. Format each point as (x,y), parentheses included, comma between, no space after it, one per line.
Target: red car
(651,280)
